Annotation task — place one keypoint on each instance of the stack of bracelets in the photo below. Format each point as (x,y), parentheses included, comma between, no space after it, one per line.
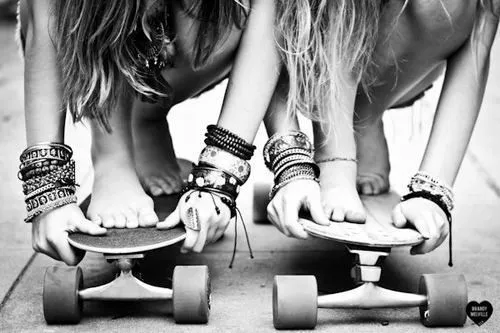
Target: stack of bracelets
(48,175)
(290,157)
(222,167)
(423,185)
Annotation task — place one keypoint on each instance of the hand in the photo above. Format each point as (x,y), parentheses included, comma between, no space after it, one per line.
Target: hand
(427,217)
(283,210)
(212,224)
(50,233)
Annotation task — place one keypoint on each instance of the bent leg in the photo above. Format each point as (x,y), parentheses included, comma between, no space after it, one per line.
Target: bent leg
(154,154)
(118,199)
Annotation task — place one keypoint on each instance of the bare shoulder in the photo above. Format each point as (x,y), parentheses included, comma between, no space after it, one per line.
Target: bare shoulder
(435,20)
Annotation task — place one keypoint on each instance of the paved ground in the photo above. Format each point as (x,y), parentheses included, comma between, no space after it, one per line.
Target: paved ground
(242,295)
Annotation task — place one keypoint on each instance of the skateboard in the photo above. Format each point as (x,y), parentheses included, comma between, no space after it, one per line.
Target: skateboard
(441,298)
(63,292)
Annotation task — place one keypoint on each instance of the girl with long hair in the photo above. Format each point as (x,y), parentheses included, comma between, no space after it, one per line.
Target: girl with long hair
(347,62)
(105,61)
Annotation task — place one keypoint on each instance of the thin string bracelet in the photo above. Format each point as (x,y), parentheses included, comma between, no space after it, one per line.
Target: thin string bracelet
(337,159)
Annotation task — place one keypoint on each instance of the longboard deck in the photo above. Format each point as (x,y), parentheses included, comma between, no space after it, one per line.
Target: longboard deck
(126,241)
(378,231)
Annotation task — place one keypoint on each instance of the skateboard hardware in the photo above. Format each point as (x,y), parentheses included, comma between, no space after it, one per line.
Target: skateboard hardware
(441,298)
(369,294)
(63,292)
(125,286)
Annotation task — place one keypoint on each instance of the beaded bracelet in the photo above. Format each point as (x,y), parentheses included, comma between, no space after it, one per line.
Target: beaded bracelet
(214,180)
(226,140)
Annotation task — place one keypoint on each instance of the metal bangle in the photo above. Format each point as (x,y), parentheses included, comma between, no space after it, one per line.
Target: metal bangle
(221,159)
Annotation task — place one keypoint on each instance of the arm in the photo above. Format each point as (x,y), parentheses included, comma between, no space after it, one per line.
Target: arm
(251,85)
(44,117)
(45,123)
(254,75)
(460,101)
(456,114)
(283,209)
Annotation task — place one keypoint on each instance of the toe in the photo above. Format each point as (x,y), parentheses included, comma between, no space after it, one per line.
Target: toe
(131,219)
(120,221)
(355,216)
(108,220)
(338,215)
(166,184)
(147,217)
(366,188)
(153,186)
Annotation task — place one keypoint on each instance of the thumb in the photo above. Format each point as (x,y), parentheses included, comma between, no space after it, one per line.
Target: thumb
(171,221)
(86,226)
(398,218)
(317,212)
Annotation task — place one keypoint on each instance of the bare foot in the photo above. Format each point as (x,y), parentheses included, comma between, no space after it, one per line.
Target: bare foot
(118,200)
(341,201)
(373,160)
(155,159)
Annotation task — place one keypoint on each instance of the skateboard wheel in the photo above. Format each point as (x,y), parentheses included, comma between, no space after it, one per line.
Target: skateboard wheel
(260,202)
(61,303)
(446,299)
(191,294)
(295,302)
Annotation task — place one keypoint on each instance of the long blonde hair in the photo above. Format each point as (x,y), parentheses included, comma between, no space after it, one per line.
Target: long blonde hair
(98,58)
(319,40)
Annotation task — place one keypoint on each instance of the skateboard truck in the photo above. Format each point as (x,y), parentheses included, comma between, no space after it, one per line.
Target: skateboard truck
(369,294)
(441,297)
(125,286)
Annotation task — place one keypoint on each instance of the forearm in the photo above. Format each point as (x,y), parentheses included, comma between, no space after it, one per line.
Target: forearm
(254,75)
(277,120)
(459,103)
(43,112)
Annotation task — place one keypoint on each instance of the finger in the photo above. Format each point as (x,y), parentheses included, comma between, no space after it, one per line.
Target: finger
(59,243)
(219,233)
(272,216)
(290,218)
(338,214)
(147,217)
(317,212)
(190,241)
(87,227)
(206,222)
(45,248)
(422,226)
(432,226)
(398,218)
(171,221)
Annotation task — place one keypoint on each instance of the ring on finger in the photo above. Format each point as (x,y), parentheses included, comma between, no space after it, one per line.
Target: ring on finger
(193,220)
